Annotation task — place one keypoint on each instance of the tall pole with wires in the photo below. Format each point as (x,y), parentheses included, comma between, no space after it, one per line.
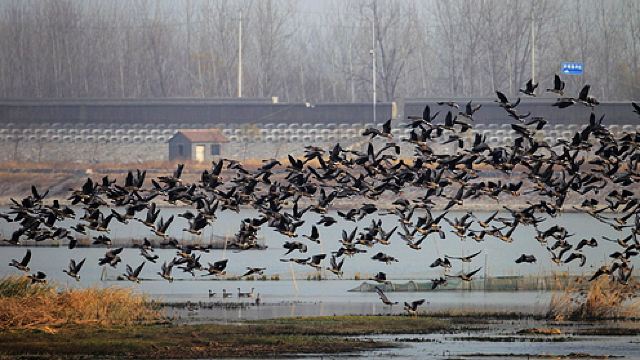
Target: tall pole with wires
(373,57)
(533,52)
(240,55)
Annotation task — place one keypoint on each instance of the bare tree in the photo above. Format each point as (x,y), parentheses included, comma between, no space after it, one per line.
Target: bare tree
(156,48)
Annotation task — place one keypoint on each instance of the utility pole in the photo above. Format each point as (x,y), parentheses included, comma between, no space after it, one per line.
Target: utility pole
(240,55)
(533,52)
(373,56)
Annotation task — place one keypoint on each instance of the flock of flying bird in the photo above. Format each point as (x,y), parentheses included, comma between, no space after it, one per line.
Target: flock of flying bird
(283,193)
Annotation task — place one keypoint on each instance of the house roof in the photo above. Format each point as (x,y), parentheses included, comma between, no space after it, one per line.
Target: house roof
(204,135)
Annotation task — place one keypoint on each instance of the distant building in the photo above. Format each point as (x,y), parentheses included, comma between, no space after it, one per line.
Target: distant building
(199,145)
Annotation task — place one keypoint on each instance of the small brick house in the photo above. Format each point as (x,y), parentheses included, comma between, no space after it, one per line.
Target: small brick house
(198,145)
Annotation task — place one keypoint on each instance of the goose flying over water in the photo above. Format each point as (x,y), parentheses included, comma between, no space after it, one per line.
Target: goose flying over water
(217,268)
(465,276)
(526,259)
(162,226)
(132,275)
(412,308)
(254,270)
(441,281)
(315,261)
(595,167)
(385,300)
(336,267)
(464,259)
(74,269)
(22,265)
(111,258)
(165,271)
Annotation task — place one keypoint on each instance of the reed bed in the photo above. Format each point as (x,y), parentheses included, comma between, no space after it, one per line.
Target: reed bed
(27,306)
(602,299)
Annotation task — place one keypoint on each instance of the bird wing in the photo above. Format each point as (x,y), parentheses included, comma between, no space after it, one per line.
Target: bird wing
(292,161)
(584,93)
(352,235)
(426,114)
(490,218)
(221,264)
(333,263)
(503,99)
(386,127)
(200,222)
(557,83)
(473,272)
(382,295)
(165,225)
(178,173)
(217,169)
(345,237)
(473,255)
(448,120)
(79,265)
(138,269)
(26,258)
(415,304)
(128,181)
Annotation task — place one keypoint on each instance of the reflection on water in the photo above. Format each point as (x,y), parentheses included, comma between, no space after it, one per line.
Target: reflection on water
(447,346)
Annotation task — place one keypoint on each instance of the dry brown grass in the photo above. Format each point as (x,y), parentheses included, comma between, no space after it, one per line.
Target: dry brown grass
(602,299)
(82,166)
(27,306)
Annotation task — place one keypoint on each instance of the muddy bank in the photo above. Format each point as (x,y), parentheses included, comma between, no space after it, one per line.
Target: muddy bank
(358,337)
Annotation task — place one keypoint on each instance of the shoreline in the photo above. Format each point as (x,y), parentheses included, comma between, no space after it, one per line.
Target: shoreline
(353,336)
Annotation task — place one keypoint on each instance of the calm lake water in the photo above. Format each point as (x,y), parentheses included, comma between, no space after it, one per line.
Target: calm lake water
(497,259)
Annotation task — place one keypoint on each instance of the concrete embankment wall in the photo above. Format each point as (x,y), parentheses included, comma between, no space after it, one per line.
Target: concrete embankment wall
(86,152)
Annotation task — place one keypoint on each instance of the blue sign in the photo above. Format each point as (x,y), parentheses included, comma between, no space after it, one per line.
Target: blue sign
(572,68)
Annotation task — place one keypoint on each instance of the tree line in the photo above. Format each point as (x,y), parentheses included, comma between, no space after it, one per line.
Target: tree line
(435,48)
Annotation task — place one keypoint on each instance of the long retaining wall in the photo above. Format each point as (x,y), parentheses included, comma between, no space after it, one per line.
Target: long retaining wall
(117,152)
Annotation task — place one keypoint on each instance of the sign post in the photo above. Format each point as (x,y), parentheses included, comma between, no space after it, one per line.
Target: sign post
(572,68)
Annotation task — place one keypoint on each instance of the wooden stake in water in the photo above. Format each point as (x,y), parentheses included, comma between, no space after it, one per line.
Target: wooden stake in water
(224,247)
(321,246)
(484,281)
(293,279)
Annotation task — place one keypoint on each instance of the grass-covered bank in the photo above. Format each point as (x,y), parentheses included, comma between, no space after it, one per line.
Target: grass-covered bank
(47,307)
(597,300)
(43,320)
(246,339)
